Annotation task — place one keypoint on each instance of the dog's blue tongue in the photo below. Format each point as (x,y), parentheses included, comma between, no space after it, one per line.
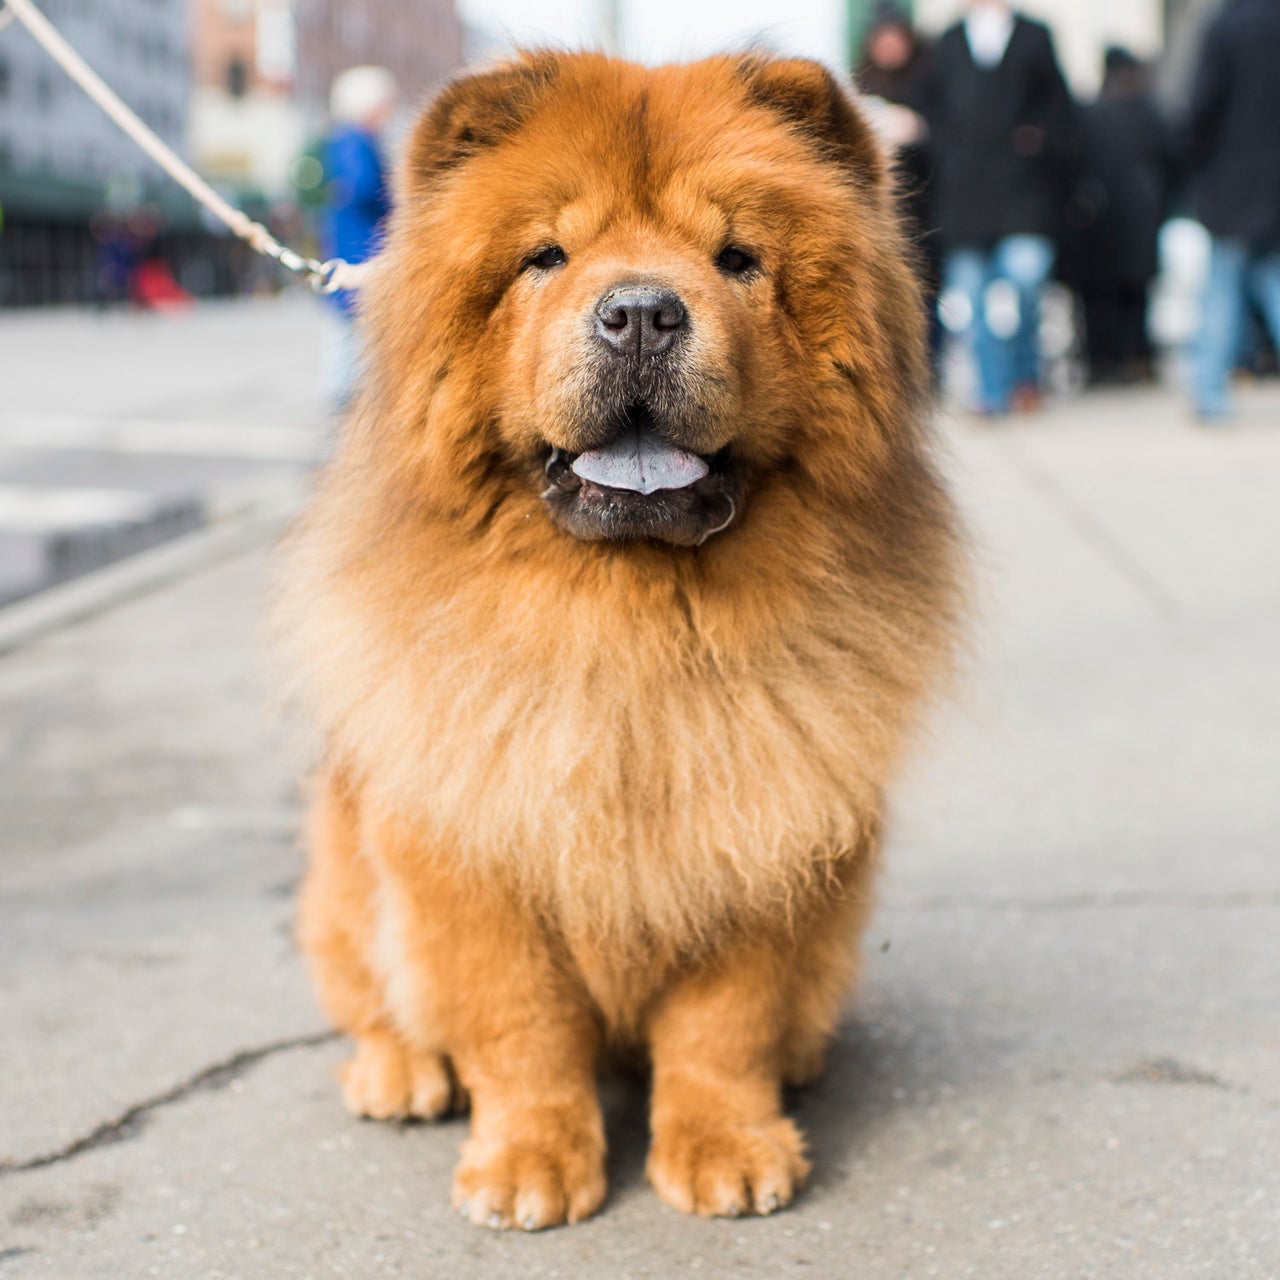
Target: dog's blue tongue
(642,461)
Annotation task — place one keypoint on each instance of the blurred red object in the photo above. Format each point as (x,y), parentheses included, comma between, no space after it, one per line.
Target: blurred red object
(155,288)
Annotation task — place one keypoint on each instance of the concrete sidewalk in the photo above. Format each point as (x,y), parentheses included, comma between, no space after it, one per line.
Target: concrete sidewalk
(1064,1061)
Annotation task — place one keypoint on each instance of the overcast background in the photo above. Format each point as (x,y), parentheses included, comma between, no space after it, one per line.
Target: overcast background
(677,30)
(669,30)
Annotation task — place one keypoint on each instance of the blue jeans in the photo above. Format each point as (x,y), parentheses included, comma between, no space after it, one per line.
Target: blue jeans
(1000,288)
(1236,273)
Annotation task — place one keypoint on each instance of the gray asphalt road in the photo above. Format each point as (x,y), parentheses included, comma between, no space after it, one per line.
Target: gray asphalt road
(1064,1061)
(121,430)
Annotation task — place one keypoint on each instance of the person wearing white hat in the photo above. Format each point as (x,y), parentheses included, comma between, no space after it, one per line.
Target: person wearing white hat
(357,200)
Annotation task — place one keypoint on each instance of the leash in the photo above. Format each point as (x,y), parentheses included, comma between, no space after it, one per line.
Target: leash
(323,277)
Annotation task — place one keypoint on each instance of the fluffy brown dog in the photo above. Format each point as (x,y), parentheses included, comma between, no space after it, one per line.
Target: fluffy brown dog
(616,607)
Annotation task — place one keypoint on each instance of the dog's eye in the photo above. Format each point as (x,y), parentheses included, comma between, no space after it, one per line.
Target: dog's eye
(735,261)
(552,256)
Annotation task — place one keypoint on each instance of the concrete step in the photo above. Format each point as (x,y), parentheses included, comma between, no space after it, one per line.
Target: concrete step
(65,512)
(49,536)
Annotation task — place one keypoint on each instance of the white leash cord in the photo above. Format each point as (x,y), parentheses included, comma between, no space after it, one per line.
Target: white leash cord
(324,277)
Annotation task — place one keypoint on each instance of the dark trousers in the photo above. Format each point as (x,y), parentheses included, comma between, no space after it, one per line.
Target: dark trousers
(1115,324)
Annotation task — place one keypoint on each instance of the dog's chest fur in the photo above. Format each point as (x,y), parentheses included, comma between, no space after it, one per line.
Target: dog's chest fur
(616,765)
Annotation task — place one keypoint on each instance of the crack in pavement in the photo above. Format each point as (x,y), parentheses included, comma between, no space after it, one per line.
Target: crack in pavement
(1094,901)
(131,1122)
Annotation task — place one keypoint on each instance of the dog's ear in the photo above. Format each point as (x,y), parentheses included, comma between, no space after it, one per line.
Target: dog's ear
(473,113)
(810,99)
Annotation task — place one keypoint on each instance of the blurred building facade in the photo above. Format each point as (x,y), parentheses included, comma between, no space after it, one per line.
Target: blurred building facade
(263,70)
(419,41)
(61,160)
(245,124)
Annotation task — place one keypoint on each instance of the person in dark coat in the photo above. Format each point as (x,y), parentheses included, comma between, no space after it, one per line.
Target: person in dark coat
(894,69)
(1110,253)
(1234,154)
(1001,126)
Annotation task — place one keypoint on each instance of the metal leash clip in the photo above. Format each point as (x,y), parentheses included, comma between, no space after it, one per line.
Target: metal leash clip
(325,275)
(321,276)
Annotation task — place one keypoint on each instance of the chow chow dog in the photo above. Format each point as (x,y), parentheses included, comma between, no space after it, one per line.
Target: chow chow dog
(616,608)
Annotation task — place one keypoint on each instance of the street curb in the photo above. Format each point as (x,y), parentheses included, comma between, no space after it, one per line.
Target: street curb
(118,583)
(72,553)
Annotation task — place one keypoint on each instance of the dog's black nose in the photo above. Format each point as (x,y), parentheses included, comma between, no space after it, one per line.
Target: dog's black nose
(640,320)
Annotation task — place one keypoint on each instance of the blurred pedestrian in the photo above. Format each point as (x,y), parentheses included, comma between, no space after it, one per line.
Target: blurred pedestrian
(357,201)
(1110,252)
(115,260)
(1234,153)
(1001,125)
(894,72)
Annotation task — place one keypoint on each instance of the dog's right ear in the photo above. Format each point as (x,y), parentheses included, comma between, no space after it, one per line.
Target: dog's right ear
(474,113)
(817,106)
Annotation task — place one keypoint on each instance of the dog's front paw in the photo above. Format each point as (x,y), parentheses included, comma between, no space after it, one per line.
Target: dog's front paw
(698,1166)
(500,1184)
(387,1081)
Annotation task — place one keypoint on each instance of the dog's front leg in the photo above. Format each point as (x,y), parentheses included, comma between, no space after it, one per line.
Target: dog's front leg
(720,1142)
(471,961)
(535,1157)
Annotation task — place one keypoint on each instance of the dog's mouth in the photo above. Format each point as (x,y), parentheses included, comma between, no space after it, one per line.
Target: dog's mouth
(640,485)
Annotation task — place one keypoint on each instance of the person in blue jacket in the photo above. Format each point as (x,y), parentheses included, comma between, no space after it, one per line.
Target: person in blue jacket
(357,201)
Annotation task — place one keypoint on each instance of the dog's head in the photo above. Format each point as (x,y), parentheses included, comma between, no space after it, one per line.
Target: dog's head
(642,294)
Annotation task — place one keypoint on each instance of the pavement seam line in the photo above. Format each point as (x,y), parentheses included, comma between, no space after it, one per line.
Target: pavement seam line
(1097,535)
(133,1120)
(1095,901)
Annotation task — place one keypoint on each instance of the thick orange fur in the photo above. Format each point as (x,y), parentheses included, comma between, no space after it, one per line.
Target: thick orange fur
(583,793)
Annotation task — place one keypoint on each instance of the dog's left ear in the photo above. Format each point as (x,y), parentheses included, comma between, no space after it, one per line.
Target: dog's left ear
(809,98)
(473,113)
